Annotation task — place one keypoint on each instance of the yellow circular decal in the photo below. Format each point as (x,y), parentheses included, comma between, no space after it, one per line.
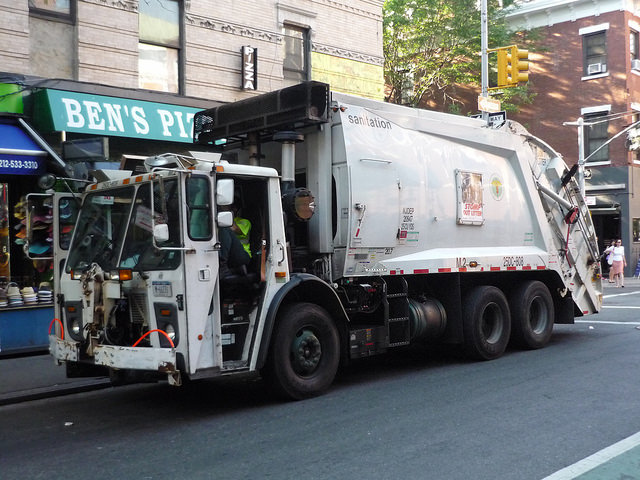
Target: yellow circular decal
(497,188)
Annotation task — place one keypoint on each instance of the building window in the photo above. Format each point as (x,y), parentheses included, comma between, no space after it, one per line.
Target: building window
(159,45)
(53,9)
(296,54)
(636,229)
(596,134)
(594,47)
(633,49)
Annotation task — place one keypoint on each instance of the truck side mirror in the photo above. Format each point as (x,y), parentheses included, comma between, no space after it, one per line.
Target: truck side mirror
(225,219)
(161,232)
(224,191)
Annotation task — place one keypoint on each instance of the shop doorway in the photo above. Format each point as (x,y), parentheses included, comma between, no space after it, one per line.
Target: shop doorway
(607,228)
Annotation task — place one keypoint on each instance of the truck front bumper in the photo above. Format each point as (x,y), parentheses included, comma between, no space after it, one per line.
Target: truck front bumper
(114,356)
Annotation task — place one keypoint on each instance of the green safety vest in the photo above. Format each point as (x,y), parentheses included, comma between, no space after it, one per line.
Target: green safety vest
(245,227)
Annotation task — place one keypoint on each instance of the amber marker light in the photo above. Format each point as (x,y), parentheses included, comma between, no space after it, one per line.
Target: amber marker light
(125,274)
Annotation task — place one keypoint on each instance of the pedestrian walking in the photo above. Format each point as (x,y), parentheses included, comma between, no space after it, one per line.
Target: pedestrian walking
(608,252)
(618,262)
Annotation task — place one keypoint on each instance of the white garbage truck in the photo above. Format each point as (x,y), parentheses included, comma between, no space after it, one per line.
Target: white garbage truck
(367,227)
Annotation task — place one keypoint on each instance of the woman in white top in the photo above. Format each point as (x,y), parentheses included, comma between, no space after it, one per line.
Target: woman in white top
(607,254)
(618,264)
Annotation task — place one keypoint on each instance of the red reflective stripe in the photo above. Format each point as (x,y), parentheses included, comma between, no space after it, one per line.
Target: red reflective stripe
(421,270)
(541,267)
(495,269)
(527,267)
(512,268)
(462,269)
(444,270)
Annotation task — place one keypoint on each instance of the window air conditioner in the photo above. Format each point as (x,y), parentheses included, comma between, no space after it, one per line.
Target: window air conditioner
(635,64)
(595,68)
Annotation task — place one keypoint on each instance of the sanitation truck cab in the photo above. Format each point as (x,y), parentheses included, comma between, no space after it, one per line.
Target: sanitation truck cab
(145,287)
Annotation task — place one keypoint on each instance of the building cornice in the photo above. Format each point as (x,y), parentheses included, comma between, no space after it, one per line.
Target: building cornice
(544,13)
(127,5)
(232,28)
(348,54)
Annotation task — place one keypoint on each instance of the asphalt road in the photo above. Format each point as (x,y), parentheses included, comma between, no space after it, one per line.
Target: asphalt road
(423,415)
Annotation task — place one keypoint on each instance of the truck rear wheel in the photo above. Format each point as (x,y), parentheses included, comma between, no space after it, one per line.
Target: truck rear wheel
(305,352)
(486,323)
(532,315)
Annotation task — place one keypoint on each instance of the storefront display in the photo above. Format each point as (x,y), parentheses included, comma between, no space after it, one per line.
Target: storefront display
(73,130)
(27,234)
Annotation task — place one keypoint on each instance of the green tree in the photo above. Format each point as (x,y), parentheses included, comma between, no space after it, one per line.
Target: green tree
(432,46)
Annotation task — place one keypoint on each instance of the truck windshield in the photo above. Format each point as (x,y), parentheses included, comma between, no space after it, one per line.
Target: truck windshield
(115,229)
(138,252)
(100,229)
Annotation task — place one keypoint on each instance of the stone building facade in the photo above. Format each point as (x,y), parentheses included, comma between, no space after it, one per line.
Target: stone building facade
(97,41)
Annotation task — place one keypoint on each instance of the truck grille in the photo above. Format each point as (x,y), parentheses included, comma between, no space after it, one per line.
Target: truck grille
(138,307)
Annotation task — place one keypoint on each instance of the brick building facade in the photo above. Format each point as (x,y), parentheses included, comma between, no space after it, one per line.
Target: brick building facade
(586,66)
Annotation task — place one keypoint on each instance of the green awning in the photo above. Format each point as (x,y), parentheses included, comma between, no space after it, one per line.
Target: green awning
(59,110)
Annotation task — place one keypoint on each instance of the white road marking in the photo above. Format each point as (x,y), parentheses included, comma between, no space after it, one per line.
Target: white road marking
(595,460)
(606,322)
(620,294)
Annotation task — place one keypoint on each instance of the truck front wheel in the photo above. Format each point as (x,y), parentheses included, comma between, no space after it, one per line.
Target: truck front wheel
(305,352)
(486,322)
(532,315)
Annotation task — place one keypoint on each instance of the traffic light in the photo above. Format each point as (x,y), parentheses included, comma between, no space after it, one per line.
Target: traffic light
(513,66)
(503,77)
(517,65)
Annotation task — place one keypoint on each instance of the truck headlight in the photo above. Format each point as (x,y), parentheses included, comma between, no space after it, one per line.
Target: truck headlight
(73,319)
(170,331)
(167,321)
(75,328)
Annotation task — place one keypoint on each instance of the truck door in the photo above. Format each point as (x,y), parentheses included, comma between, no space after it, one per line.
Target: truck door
(201,302)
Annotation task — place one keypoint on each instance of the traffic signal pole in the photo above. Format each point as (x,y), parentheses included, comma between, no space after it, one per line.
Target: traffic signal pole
(484,41)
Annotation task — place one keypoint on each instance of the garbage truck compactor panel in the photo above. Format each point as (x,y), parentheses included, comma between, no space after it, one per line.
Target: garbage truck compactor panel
(366,226)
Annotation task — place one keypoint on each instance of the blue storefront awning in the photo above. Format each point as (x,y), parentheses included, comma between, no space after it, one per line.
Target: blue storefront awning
(22,151)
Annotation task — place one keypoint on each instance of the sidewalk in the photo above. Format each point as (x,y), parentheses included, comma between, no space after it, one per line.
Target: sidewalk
(629,282)
(37,376)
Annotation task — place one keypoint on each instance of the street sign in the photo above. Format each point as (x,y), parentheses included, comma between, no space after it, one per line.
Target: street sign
(494,120)
(486,104)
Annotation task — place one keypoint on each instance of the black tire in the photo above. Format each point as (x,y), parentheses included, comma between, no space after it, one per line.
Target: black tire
(532,315)
(486,323)
(305,352)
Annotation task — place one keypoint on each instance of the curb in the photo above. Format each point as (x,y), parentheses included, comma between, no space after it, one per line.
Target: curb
(53,391)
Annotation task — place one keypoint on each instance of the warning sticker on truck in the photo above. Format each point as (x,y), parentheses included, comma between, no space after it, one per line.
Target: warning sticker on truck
(469,190)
